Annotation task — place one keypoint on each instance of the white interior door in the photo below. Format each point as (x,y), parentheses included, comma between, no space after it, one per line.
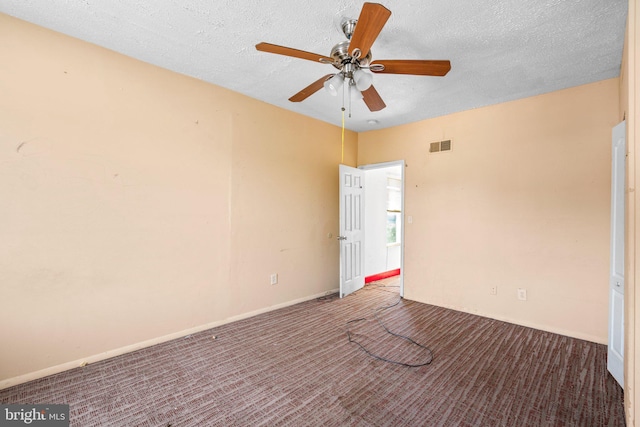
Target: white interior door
(615,350)
(351,230)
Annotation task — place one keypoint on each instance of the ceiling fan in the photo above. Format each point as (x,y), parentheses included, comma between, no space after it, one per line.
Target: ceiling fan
(353,59)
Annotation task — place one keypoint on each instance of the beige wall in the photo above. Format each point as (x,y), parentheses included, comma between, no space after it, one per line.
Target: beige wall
(521,201)
(139,204)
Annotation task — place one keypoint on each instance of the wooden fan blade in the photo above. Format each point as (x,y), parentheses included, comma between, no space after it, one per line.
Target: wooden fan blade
(373,100)
(296,53)
(410,66)
(310,90)
(372,18)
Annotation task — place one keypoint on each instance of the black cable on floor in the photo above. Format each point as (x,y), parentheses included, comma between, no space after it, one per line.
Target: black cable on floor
(328,297)
(379,286)
(384,359)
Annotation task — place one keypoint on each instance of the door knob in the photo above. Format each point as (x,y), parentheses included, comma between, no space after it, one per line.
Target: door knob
(341,237)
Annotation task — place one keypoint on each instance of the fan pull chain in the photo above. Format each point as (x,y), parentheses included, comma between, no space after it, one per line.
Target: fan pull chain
(349,99)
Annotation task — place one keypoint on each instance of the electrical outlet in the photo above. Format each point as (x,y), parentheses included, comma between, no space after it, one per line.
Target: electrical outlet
(274,279)
(493,290)
(522,294)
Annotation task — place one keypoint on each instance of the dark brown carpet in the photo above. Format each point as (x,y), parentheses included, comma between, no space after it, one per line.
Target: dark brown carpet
(295,367)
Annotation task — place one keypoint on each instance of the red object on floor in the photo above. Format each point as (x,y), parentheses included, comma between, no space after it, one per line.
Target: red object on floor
(381,276)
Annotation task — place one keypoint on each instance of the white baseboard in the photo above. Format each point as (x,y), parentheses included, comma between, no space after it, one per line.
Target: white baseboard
(559,331)
(10,382)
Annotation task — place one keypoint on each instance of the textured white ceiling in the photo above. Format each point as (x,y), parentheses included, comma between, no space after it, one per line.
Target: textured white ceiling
(499,50)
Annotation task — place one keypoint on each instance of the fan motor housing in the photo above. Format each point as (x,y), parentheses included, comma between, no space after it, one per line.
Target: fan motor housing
(340,54)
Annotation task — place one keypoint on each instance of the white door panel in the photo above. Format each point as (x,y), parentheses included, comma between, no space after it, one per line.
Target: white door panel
(351,230)
(615,349)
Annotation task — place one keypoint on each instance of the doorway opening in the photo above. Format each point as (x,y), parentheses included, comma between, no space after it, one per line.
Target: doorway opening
(384,221)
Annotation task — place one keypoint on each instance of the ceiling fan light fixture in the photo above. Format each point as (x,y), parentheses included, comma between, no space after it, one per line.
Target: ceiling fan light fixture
(353,60)
(333,84)
(363,79)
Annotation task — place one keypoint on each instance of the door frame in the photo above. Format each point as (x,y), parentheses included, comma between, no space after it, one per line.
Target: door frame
(402,165)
